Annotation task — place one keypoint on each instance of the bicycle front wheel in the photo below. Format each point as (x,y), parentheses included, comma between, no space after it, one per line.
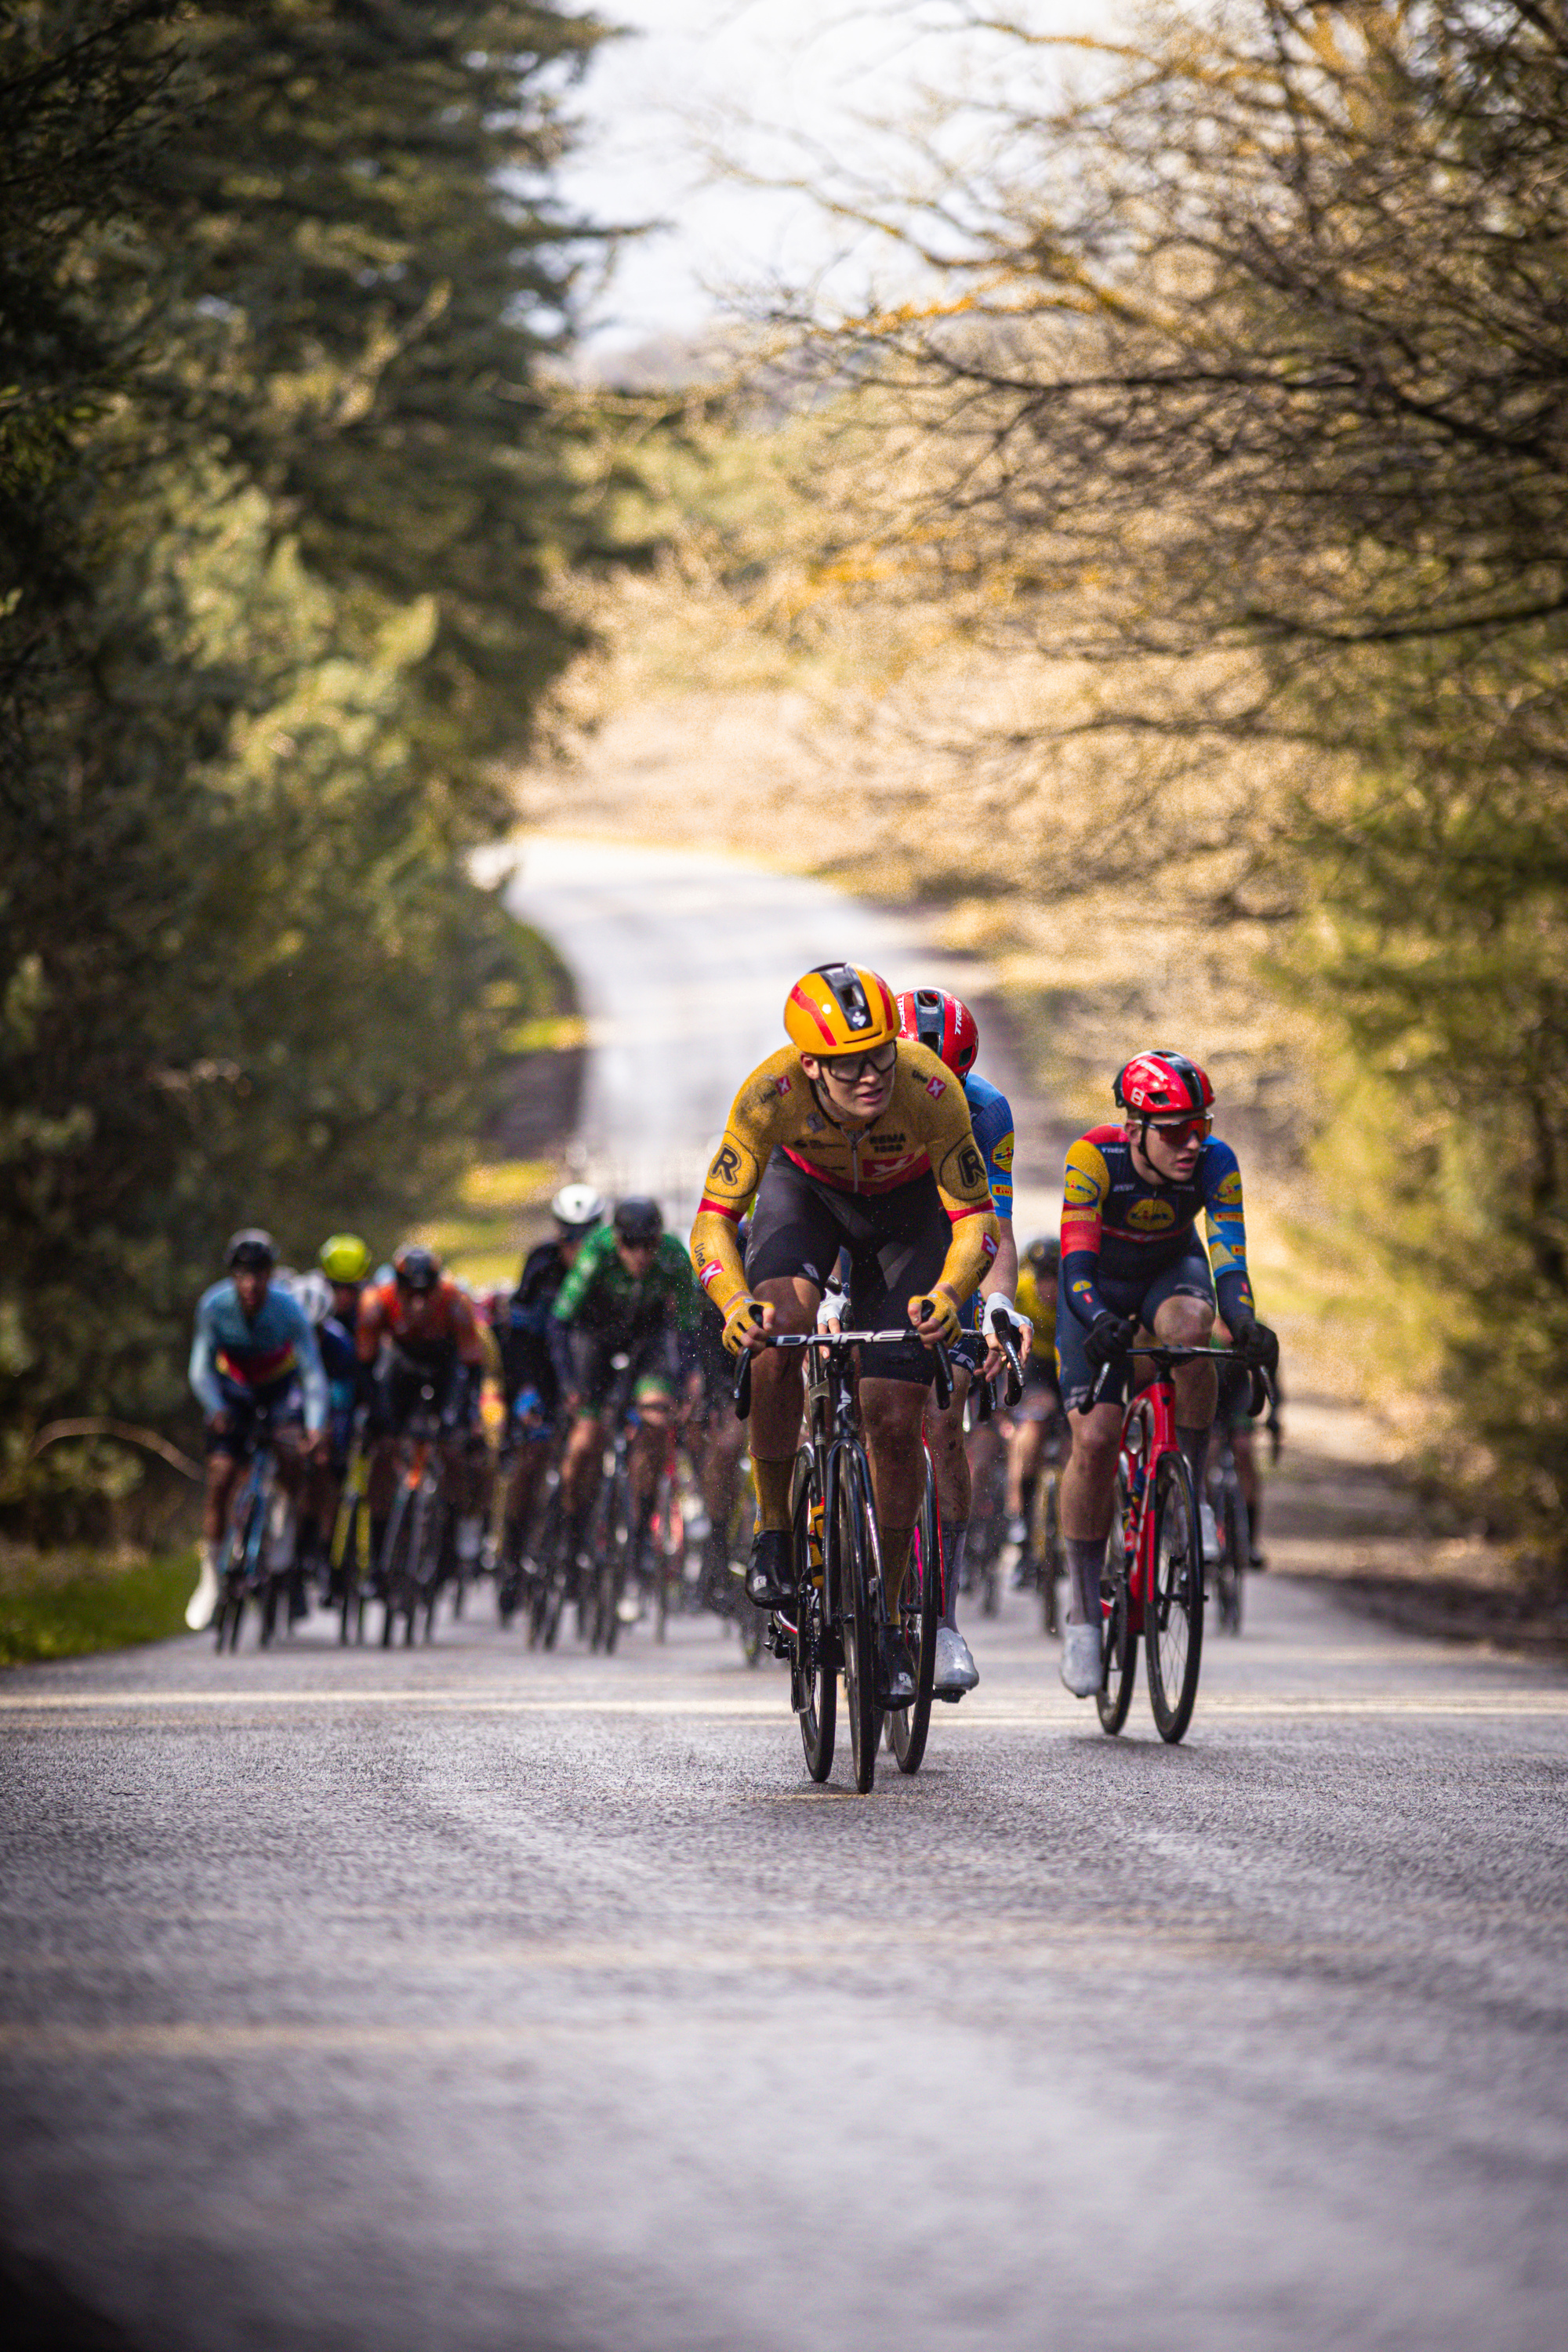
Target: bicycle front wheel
(814,1671)
(1174,1609)
(920,1614)
(854,1581)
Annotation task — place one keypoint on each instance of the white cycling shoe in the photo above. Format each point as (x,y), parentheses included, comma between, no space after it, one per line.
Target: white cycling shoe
(1080,1660)
(1210,1530)
(204,1600)
(956,1671)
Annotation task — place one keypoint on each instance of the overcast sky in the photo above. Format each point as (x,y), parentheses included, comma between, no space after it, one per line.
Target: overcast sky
(816,64)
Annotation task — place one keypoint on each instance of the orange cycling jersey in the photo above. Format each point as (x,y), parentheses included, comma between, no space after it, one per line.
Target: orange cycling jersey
(441,1322)
(925,1127)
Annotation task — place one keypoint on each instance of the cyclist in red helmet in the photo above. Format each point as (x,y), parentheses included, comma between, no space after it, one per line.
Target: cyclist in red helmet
(1133,1262)
(942,1021)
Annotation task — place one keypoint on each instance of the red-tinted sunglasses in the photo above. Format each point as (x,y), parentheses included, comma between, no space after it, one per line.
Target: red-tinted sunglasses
(1182,1130)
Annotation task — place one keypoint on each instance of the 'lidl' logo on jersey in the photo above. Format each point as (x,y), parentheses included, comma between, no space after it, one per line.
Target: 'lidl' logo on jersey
(1003,1155)
(1150,1216)
(1229,1193)
(1082,1192)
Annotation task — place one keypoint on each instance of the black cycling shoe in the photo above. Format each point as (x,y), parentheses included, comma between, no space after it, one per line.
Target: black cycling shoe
(898,1674)
(769,1574)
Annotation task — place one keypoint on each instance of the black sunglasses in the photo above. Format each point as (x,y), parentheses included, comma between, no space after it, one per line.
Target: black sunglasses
(848,1067)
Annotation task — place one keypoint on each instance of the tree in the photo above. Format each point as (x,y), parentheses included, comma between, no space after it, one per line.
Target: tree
(1243,366)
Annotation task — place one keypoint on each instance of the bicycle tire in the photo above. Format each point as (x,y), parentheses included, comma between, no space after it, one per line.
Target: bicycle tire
(608,1551)
(814,1671)
(1051,1555)
(1173,1610)
(1116,1668)
(397,1596)
(920,1613)
(856,1580)
(1235,1549)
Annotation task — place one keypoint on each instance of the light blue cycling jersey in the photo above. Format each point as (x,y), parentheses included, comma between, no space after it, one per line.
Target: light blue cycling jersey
(991,1116)
(234,1351)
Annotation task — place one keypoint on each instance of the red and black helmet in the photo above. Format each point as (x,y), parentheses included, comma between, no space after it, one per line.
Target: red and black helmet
(943,1023)
(1163,1084)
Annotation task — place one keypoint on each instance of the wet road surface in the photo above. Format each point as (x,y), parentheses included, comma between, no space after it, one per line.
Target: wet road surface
(474,1999)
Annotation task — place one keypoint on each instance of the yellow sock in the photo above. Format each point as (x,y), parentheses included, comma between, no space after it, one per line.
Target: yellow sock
(775,1480)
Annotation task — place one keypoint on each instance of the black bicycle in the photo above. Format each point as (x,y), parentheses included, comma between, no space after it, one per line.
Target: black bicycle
(257,1518)
(416,1550)
(837,1608)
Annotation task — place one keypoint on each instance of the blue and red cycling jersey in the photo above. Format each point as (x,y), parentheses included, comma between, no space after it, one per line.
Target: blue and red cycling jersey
(234,1355)
(1118,1227)
(991,1116)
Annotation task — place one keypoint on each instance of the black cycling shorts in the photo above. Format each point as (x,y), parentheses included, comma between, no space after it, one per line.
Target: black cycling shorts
(651,1368)
(898,1244)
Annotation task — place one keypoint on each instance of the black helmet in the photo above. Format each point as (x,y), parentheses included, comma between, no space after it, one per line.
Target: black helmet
(417,1267)
(1044,1257)
(251,1248)
(638,1220)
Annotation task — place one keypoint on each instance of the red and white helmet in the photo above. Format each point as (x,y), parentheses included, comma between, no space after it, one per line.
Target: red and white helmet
(1163,1085)
(943,1023)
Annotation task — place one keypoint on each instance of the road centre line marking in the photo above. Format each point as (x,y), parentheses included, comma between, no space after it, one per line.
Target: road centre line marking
(1498,1704)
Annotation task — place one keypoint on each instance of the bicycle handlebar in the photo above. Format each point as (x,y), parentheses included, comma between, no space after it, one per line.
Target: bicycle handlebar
(835,1341)
(1165,1356)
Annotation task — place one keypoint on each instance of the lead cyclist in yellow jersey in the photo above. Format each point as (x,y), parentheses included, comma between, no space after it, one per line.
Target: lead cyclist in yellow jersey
(848,1137)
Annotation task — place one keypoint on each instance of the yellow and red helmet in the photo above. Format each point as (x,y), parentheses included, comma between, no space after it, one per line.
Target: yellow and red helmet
(840,1008)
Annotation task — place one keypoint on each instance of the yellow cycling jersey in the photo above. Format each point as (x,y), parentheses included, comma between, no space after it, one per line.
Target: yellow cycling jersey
(1042,1317)
(925,1127)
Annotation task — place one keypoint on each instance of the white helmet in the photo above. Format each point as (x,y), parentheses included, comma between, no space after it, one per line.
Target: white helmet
(314,1293)
(576,1207)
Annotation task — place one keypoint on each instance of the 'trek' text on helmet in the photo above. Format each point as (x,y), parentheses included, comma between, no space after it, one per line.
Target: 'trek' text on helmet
(943,1023)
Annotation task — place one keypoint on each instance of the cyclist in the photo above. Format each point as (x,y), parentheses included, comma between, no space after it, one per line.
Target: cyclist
(528,1384)
(629,1293)
(1038,1409)
(948,1029)
(848,1135)
(418,1330)
(1132,1262)
(253,1352)
(344,1261)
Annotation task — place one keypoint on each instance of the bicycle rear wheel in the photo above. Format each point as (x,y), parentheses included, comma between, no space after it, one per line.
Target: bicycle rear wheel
(398,1595)
(814,1672)
(854,1583)
(1174,1612)
(610,1550)
(1235,1549)
(920,1614)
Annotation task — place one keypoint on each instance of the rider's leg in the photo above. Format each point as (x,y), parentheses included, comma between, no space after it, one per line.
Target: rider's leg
(649,1442)
(1184,1322)
(528,1467)
(223,1470)
(1088,1500)
(955,1487)
(583,1448)
(892,1413)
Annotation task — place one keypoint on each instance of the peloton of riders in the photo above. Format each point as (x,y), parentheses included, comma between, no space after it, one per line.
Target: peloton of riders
(869,1143)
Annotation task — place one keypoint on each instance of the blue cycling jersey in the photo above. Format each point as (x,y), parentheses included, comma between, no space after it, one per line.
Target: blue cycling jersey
(991,1116)
(236,1351)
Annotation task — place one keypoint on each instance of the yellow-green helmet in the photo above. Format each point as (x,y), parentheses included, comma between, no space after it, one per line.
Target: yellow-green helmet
(344,1258)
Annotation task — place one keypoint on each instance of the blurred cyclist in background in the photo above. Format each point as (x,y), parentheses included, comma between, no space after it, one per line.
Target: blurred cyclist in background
(529,1385)
(254,1353)
(415,1330)
(1039,1409)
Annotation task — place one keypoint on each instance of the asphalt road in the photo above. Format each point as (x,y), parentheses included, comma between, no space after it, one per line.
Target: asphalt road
(465,1998)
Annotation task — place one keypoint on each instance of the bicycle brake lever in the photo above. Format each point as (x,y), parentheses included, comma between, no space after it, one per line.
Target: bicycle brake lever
(744,1387)
(941,1377)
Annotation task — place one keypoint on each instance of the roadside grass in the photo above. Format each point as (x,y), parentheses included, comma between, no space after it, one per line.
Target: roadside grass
(66,1604)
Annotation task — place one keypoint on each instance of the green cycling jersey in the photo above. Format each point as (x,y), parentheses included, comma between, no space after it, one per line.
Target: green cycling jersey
(600,1294)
